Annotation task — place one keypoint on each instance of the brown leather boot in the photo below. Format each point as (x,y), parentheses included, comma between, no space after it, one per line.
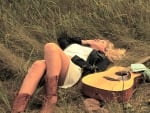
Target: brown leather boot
(50,100)
(20,103)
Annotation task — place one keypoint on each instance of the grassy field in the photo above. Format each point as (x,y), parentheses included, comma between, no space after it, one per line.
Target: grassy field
(26,25)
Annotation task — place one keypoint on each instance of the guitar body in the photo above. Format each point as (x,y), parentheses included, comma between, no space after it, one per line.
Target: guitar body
(108,86)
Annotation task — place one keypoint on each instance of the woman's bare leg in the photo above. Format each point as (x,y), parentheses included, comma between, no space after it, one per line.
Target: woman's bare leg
(29,85)
(56,61)
(33,77)
(56,68)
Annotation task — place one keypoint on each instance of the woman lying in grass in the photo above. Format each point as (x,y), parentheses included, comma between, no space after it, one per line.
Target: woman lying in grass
(64,65)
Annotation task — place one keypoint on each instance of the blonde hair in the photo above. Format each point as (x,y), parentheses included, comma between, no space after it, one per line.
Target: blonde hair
(113,53)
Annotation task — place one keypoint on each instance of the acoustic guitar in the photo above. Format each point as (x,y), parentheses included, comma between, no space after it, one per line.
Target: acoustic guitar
(117,83)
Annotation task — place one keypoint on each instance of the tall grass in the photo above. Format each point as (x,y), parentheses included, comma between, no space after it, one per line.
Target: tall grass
(26,25)
(4,97)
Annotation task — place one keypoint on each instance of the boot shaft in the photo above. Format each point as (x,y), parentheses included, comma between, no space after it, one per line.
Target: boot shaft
(20,103)
(51,85)
(50,100)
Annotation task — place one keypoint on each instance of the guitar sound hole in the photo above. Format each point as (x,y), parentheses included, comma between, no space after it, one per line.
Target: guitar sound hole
(124,75)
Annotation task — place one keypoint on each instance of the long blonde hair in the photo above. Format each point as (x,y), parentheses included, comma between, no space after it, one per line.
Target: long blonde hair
(113,53)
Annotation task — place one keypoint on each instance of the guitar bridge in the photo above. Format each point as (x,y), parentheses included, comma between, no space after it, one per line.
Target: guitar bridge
(111,79)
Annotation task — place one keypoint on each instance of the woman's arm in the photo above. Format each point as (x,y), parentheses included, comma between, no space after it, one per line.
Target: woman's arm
(96,44)
(84,42)
(87,42)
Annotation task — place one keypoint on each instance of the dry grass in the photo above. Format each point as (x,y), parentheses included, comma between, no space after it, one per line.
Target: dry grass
(26,25)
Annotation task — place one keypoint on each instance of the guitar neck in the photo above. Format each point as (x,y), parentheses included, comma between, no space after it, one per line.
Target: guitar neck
(142,61)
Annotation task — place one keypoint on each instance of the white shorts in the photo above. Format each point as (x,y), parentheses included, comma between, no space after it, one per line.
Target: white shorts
(73,75)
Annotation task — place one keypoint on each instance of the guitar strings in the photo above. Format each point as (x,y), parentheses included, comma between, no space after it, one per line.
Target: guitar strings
(123,106)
